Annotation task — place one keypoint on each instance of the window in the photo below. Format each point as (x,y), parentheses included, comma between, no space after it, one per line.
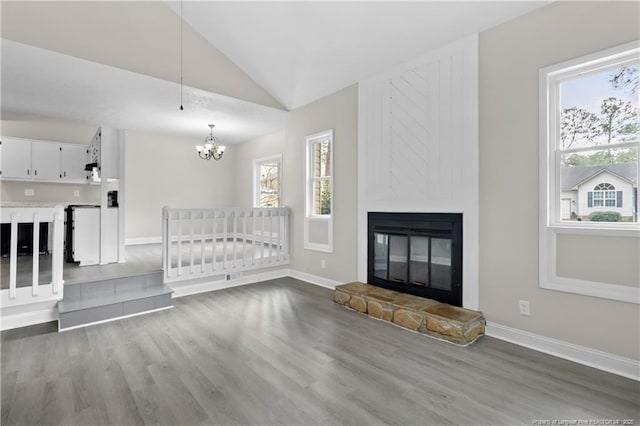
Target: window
(319,192)
(591,132)
(267,175)
(320,178)
(589,149)
(605,195)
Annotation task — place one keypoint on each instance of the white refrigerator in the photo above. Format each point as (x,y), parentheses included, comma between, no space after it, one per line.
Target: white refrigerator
(85,235)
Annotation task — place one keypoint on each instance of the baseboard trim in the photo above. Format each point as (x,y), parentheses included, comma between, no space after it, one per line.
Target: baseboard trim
(591,357)
(144,240)
(314,279)
(180,290)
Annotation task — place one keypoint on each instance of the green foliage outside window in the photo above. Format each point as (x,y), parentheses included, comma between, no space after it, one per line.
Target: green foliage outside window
(325,198)
(604,217)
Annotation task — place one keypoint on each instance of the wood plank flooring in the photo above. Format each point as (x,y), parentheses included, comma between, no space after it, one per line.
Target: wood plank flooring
(281,352)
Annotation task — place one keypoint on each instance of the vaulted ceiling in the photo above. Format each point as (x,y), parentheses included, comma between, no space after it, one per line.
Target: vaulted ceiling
(302,51)
(245,63)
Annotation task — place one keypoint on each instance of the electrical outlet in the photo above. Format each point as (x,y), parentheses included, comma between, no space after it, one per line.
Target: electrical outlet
(323,263)
(29,192)
(76,192)
(524,307)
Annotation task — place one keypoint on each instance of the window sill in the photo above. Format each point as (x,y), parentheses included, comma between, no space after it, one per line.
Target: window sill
(610,230)
(609,291)
(323,217)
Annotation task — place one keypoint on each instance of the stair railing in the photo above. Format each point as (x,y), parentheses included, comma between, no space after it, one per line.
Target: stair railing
(223,241)
(37,291)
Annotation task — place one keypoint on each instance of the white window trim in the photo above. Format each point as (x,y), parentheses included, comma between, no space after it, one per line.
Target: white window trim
(256,178)
(310,217)
(549,224)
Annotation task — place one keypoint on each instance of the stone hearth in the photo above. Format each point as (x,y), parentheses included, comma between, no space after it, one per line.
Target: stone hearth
(453,324)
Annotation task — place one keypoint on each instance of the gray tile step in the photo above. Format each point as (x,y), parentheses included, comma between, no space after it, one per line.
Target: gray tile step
(98,301)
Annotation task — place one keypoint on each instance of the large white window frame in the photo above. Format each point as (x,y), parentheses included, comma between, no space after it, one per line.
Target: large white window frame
(551,225)
(257,187)
(310,216)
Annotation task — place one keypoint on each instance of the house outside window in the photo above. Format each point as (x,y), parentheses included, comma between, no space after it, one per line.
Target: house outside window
(267,174)
(591,140)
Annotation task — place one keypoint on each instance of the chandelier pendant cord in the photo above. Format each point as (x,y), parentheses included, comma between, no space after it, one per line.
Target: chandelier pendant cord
(181,58)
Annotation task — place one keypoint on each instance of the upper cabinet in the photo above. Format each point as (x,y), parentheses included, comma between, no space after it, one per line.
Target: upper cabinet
(24,159)
(45,161)
(70,157)
(16,159)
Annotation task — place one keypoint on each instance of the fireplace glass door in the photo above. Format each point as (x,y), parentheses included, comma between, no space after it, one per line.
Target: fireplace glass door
(418,260)
(416,253)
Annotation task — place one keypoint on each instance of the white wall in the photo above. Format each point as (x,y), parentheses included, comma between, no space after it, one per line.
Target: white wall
(165,170)
(510,57)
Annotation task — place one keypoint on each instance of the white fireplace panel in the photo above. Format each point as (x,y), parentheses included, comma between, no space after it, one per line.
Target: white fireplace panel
(413,131)
(418,146)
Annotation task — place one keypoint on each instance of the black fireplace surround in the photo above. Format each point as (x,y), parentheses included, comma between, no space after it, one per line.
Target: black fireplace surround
(416,253)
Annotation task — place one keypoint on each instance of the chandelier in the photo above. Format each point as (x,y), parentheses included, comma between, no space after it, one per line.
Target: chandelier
(211,148)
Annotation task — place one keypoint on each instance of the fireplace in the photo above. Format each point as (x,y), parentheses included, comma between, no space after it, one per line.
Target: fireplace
(417,253)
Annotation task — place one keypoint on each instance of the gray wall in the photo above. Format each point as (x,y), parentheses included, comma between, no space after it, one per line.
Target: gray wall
(245,153)
(510,56)
(339,112)
(164,170)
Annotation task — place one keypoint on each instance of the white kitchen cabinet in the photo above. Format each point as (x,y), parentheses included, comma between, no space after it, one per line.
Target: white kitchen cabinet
(72,161)
(45,161)
(25,159)
(16,158)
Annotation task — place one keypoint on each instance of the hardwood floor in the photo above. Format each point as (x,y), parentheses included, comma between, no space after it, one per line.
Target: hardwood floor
(281,352)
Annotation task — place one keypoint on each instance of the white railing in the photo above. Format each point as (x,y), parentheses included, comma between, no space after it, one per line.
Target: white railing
(208,242)
(16,295)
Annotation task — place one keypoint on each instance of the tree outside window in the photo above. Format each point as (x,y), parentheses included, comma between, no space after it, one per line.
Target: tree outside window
(321,178)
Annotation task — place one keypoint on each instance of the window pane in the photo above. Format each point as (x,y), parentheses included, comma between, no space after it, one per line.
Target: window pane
(322,159)
(269,184)
(381,253)
(600,181)
(322,197)
(441,263)
(398,258)
(600,108)
(419,261)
